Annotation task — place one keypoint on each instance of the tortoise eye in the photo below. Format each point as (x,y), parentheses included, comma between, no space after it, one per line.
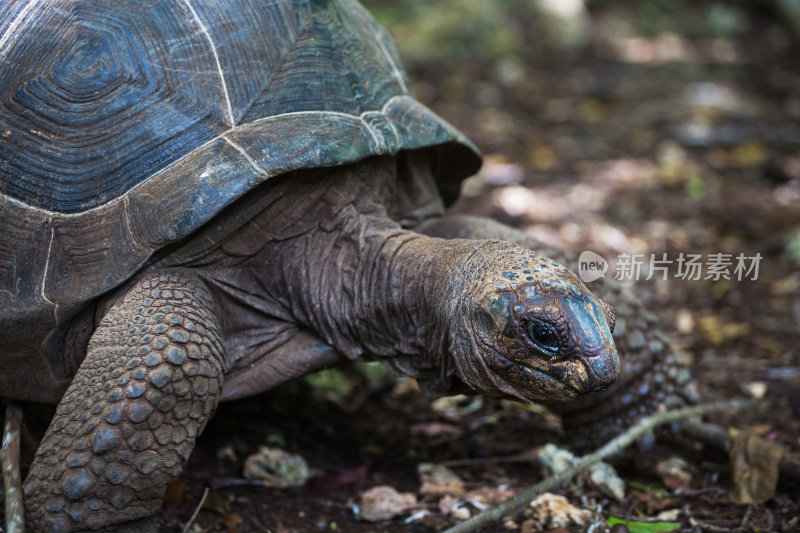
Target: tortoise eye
(544,335)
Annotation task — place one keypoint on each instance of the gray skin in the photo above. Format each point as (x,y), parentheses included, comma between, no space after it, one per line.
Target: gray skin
(316,268)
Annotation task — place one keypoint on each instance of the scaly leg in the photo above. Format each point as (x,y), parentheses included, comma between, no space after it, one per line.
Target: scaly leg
(128,422)
(651,376)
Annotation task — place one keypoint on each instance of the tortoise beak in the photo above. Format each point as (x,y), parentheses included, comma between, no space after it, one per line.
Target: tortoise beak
(597,372)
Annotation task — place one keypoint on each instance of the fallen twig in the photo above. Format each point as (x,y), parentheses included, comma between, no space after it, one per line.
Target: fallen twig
(12,482)
(610,448)
(196,511)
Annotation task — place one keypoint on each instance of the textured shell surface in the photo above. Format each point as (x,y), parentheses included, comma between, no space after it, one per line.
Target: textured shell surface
(127,125)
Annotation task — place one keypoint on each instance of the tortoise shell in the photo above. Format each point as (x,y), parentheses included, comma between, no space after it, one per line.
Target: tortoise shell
(127,125)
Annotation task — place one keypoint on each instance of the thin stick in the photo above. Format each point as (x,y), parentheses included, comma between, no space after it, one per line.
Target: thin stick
(12,481)
(196,511)
(613,446)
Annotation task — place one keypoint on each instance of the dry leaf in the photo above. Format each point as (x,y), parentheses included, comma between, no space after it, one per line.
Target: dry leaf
(761,429)
(749,154)
(173,497)
(217,502)
(497,170)
(755,467)
(455,407)
(719,332)
(674,473)
(510,524)
(406,387)
(384,503)
(489,496)
(338,479)
(434,429)
(543,158)
(456,488)
(552,511)
(446,503)
(232,522)
(277,468)
(438,479)
(461,513)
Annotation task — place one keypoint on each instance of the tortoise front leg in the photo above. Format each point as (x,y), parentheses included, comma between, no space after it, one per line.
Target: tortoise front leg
(128,422)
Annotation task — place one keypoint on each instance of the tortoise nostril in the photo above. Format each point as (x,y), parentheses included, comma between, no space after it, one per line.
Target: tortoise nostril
(604,368)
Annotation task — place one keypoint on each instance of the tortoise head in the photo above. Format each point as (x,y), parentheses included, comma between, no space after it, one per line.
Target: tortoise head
(527,328)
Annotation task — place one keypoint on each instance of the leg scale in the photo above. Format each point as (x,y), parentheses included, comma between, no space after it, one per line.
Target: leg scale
(128,422)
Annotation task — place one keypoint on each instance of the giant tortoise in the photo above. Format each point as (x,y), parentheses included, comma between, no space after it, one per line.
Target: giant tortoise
(202,199)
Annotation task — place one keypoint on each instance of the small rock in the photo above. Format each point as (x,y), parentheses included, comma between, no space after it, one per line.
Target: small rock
(277,468)
(384,503)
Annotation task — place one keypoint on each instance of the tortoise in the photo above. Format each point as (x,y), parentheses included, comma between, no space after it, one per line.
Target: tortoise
(201,200)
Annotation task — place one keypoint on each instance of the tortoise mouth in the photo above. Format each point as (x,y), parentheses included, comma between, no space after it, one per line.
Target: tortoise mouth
(564,380)
(535,384)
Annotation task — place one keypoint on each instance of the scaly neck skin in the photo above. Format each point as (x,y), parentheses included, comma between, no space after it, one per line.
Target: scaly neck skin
(320,251)
(376,291)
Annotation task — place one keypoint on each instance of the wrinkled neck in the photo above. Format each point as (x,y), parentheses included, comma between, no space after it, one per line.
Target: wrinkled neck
(382,292)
